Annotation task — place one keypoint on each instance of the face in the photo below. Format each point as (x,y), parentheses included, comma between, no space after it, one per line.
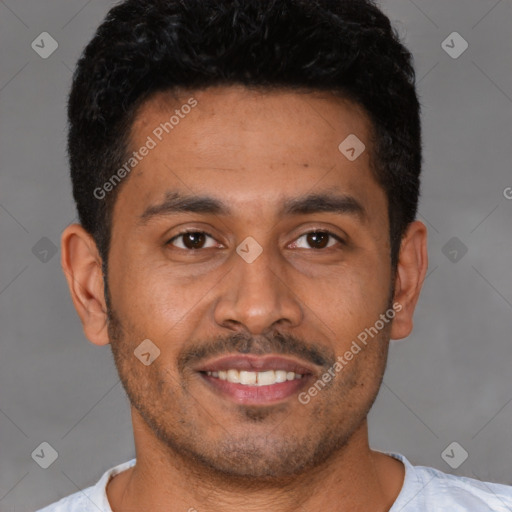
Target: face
(267,285)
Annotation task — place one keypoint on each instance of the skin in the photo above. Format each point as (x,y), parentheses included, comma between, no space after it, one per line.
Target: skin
(196,449)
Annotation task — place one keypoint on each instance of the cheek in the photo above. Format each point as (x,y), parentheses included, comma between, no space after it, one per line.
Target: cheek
(351,300)
(144,288)
(156,304)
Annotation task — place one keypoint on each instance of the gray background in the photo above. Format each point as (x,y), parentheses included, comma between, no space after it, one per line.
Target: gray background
(449,381)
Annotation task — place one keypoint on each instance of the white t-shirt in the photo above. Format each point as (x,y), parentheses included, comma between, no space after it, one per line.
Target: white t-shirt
(424,490)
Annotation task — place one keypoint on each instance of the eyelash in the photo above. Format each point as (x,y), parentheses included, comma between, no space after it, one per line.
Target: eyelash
(318,231)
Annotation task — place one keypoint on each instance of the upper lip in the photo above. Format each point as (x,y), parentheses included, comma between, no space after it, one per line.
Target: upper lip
(254,363)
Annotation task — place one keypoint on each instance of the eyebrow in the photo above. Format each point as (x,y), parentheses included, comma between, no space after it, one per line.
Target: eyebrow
(176,202)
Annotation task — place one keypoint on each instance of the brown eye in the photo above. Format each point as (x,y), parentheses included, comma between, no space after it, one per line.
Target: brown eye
(191,240)
(319,239)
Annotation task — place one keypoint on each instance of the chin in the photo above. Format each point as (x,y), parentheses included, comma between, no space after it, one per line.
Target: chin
(261,458)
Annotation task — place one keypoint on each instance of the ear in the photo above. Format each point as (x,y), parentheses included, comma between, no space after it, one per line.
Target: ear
(411,270)
(81,263)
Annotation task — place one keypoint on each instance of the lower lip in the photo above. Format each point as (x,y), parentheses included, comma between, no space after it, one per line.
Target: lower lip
(256,395)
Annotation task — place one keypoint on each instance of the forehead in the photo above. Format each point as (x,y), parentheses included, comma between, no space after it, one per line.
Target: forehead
(249,147)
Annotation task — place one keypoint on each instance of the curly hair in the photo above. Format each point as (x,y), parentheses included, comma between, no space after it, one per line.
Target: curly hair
(346,47)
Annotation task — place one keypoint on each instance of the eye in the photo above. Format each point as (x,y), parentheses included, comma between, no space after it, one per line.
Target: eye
(191,240)
(319,239)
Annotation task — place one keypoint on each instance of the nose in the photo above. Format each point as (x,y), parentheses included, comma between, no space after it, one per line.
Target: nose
(257,295)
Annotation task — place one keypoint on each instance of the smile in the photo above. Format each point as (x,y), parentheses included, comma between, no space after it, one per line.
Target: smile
(253,380)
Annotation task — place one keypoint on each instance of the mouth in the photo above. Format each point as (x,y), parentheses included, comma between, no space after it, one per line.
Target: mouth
(253,380)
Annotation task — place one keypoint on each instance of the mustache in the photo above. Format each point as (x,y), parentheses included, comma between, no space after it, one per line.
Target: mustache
(241,343)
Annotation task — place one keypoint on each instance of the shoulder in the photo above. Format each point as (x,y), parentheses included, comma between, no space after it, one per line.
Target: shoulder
(469,492)
(91,499)
(427,488)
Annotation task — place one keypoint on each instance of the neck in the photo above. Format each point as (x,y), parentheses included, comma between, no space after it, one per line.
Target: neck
(354,479)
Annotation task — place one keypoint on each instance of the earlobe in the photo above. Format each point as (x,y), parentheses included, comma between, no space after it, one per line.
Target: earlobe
(411,271)
(81,263)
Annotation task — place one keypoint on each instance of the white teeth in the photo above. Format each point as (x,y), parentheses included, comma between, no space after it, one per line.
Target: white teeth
(247,378)
(233,376)
(280,376)
(266,378)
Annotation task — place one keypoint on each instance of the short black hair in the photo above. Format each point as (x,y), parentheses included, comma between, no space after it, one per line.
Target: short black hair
(347,47)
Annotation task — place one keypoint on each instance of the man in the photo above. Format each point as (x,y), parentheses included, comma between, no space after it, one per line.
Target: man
(247,176)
